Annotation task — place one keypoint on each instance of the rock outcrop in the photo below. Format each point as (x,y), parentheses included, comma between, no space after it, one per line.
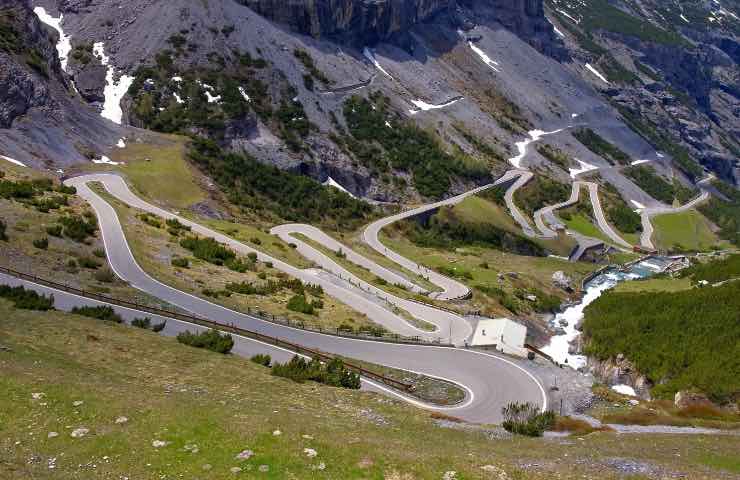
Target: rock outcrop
(620,371)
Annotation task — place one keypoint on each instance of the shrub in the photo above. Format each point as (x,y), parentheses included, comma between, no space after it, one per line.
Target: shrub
(594,142)
(210,340)
(298,303)
(54,230)
(3,227)
(158,327)
(41,243)
(105,275)
(239,265)
(262,359)
(181,262)
(526,419)
(256,241)
(103,312)
(141,322)
(89,262)
(208,249)
(332,373)
(99,252)
(78,228)
(27,299)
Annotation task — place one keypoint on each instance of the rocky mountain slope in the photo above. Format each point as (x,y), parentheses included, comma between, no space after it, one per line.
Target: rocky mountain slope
(42,121)
(671,69)
(467,79)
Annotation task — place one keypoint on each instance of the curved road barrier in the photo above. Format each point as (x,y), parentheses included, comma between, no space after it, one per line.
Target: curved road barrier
(491,380)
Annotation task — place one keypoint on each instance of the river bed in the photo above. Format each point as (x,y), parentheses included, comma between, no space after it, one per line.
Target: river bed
(569,318)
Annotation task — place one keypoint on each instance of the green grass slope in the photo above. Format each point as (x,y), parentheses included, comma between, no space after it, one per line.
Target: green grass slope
(207,408)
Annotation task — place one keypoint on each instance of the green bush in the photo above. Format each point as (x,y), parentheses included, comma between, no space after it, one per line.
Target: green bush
(105,275)
(181,262)
(41,243)
(210,340)
(262,359)
(298,303)
(657,187)
(332,373)
(208,249)
(26,299)
(104,312)
(158,327)
(89,262)
(714,271)
(239,265)
(724,213)
(78,228)
(540,192)
(54,230)
(99,252)
(526,419)
(145,323)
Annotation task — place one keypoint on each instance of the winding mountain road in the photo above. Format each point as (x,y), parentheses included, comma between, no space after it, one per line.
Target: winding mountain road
(646,238)
(491,381)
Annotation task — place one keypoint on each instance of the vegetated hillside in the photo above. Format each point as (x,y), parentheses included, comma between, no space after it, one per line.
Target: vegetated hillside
(658,188)
(540,192)
(670,72)
(265,188)
(153,407)
(619,214)
(689,339)
(725,213)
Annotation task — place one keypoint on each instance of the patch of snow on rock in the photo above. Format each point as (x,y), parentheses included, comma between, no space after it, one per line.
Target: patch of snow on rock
(211,98)
(330,182)
(521,147)
(121,143)
(14,161)
(591,69)
(637,162)
(684,18)
(371,56)
(422,106)
(624,390)
(113,91)
(64,45)
(244,94)
(106,160)
(178,98)
(583,167)
(483,56)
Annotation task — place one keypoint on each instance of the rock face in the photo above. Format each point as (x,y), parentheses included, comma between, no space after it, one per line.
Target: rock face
(357,21)
(367,22)
(686,399)
(42,123)
(620,371)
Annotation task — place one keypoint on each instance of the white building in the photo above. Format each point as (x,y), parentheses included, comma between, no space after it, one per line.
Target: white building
(500,334)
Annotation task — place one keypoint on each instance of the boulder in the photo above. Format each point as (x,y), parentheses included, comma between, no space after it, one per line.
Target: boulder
(688,398)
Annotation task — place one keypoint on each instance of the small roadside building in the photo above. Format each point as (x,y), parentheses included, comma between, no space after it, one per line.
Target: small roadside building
(501,334)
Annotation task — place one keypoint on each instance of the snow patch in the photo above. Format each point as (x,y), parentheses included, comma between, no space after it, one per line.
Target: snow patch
(639,206)
(638,162)
(121,143)
(330,182)
(106,161)
(13,160)
(177,79)
(624,390)
(684,18)
(562,12)
(64,45)
(113,91)
(659,155)
(583,167)
(178,98)
(561,34)
(597,73)
(521,147)
(371,56)
(244,94)
(422,106)
(483,56)
(211,98)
